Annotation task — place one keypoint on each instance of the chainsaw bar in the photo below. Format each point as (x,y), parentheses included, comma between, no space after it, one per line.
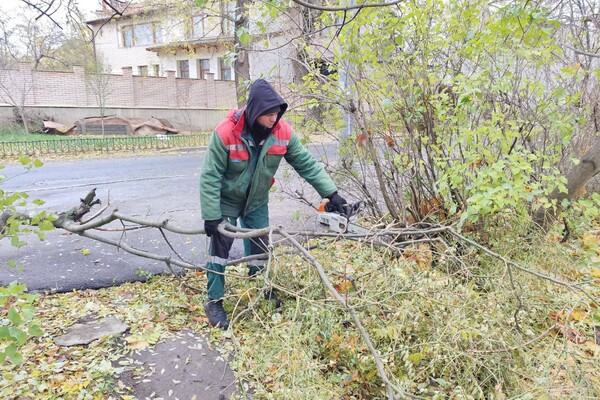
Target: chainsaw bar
(340,223)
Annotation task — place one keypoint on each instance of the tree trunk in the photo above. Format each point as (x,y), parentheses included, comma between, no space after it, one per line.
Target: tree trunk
(242,62)
(577,177)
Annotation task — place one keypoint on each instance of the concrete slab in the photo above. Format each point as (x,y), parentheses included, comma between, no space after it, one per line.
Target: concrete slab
(87,332)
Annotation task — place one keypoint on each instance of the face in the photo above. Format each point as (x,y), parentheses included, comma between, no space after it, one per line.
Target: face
(267,120)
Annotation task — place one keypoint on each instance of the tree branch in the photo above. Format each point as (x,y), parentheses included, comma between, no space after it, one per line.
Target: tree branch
(69,222)
(584,53)
(356,7)
(43,12)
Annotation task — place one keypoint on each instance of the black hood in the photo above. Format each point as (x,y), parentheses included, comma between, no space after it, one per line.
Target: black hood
(261,98)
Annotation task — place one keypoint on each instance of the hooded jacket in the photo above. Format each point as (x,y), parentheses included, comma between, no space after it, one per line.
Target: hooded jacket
(236,177)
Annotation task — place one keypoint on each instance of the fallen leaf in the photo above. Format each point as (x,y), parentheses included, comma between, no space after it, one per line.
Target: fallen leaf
(576,336)
(136,343)
(344,286)
(578,314)
(590,240)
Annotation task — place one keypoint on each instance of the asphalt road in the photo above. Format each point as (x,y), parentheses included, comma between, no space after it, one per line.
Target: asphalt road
(153,187)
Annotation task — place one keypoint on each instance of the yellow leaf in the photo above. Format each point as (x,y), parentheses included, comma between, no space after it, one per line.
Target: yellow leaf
(136,343)
(344,286)
(86,252)
(590,347)
(596,273)
(371,374)
(246,295)
(578,314)
(590,240)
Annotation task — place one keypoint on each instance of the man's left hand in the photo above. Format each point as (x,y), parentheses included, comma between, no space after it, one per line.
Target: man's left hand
(339,204)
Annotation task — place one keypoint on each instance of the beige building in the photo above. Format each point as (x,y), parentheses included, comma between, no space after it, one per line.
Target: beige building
(155,39)
(193,42)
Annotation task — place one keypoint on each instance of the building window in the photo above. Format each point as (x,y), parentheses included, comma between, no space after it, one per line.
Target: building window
(143,70)
(128,36)
(203,68)
(141,35)
(183,69)
(224,70)
(197,27)
(228,20)
(156,69)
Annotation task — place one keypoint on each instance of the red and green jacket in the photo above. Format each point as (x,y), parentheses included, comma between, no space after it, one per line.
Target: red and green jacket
(229,187)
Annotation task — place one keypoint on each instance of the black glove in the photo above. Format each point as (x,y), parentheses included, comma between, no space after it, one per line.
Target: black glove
(338,204)
(210,226)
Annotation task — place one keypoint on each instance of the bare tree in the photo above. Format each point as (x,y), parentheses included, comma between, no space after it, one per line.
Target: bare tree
(15,87)
(241,64)
(23,38)
(97,81)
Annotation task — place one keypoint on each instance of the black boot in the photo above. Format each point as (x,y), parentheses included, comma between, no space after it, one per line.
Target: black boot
(216,313)
(254,270)
(272,296)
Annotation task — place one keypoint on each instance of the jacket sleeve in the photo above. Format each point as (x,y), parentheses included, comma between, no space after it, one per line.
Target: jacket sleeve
(215,164)
(305,164)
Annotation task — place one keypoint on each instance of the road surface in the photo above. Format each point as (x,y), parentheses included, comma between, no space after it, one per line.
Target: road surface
(153,187)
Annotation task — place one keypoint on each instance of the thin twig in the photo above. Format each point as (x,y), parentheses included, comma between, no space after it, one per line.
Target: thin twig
(511,349)
(523,269)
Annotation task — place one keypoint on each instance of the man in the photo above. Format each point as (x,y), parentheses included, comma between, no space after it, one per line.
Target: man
(243,155)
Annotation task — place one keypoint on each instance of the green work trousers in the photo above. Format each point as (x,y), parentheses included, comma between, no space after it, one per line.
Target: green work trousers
(220,246)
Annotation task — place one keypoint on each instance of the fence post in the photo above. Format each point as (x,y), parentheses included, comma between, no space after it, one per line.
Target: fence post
(80,87)
(172,88)
(211,92)
(129,99)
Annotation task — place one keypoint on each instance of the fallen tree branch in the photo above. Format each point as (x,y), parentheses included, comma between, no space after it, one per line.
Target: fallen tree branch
(72,222)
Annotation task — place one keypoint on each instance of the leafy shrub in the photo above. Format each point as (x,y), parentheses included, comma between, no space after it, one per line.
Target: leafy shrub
(17,310)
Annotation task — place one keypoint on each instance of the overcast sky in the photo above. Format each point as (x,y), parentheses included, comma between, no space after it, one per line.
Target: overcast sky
(11,7)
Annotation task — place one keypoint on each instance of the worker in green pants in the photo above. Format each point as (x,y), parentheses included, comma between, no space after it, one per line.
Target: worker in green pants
(242,157)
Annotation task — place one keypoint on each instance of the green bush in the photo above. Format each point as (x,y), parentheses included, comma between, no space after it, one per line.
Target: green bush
(17,310)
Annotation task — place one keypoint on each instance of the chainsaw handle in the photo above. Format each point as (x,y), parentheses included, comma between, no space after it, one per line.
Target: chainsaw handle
(350,208)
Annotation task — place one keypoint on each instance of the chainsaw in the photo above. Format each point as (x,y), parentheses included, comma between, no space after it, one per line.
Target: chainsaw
(337,222)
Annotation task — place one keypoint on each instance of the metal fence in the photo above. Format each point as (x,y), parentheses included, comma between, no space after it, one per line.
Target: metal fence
(106,145)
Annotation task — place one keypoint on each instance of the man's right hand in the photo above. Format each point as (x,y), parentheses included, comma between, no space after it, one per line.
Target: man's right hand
(339,204)
(210,226)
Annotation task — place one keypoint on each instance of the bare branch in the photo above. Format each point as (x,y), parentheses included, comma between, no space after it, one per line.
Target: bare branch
(585,53)
(348,8)
(43,13)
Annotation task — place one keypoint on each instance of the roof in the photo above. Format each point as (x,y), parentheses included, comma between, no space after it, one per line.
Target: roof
(213,41)
(127,10)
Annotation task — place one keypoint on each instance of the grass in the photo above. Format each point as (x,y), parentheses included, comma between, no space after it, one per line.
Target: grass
(17,133)
(447,320)
(444,328)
